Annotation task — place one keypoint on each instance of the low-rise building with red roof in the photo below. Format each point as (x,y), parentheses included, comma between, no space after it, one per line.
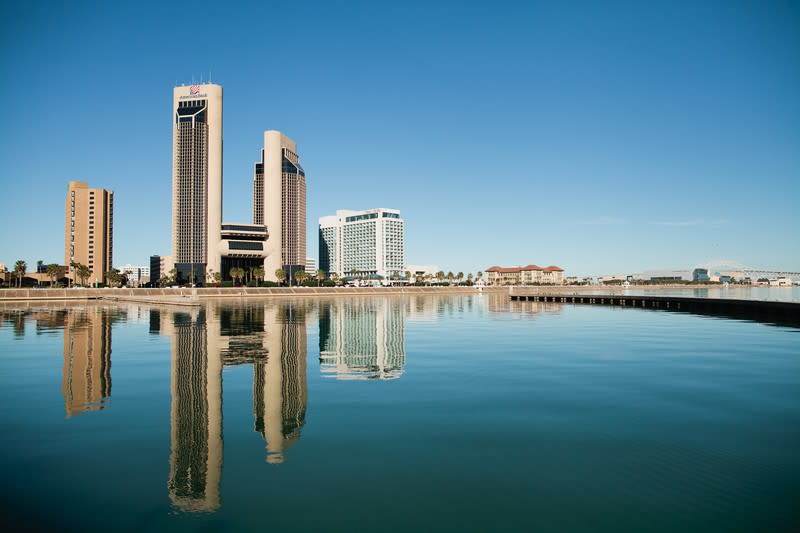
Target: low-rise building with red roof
(525,275)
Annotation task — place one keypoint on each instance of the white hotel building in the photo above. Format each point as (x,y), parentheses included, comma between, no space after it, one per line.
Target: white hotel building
(367,242)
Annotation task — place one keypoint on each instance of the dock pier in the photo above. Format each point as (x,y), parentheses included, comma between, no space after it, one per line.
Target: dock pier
(771,312)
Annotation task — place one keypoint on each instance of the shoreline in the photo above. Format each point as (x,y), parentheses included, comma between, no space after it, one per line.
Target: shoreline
(190,296)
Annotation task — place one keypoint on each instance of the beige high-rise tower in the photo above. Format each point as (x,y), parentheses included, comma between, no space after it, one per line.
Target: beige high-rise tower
(279,202)
(196,180)
(88,229)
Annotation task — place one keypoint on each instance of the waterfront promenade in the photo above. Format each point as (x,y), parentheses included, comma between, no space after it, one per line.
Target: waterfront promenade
(190,296)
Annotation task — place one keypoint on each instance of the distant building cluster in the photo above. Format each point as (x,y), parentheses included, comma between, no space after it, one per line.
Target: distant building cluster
(698,275)
(525,275)
(136,275)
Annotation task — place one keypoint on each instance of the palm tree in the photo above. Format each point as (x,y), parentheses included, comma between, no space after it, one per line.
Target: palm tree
(300,276)
(450,276)
(258,273)
(335,277)
(83,272)
(469,278)
(116,278)
(54,271)
(460,276)
(480,274)
(236,273)
(281,275)
(19,270)
(440,275)
(320,275)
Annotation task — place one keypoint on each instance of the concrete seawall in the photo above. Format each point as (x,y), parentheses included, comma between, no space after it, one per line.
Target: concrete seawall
(189,296)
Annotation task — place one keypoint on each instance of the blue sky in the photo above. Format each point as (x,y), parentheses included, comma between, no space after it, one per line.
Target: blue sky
(601,137)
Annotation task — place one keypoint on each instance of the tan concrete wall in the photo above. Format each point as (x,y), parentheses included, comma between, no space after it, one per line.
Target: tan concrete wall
(230,292)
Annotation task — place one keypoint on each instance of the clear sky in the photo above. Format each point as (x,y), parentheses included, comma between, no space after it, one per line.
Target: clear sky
(604,137)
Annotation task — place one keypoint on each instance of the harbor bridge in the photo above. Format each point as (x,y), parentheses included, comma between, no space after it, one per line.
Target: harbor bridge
(725,265)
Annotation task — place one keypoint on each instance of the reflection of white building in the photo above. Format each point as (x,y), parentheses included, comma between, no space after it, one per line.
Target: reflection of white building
(362,339)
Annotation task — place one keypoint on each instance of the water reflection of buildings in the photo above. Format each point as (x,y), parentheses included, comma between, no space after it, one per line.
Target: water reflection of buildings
(362,338)
(86,330)
(521,308)
(273,340)
(86,377)
(280,390)
(196,412)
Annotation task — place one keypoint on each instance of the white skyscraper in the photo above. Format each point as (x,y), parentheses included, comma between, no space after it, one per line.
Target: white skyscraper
(197,180)
(367,242)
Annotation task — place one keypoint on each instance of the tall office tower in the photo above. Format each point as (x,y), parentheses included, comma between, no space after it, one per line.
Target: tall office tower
(362,339)
(279,202)
(196,412)
(196,180)
(88,229)
(86,377)
(367,242)
(280,390)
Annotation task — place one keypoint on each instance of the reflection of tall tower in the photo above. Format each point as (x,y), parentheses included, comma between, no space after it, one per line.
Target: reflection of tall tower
(280,392)
(196,413)
(86,378)
(362,339)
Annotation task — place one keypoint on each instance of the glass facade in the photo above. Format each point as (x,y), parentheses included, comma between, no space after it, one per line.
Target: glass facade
(293,210)
(191,182)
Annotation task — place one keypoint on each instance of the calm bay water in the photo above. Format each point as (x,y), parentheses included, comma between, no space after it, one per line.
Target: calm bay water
(463,413)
